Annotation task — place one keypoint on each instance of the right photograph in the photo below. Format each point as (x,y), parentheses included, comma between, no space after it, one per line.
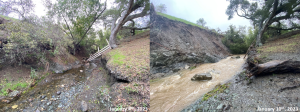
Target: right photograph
(224,56)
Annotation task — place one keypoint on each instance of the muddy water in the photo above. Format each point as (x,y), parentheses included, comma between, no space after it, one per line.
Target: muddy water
(174,93)
(56,92)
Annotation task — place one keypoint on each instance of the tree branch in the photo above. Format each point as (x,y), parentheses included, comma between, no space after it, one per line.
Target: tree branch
(92,24)
(135,28)
(68,27)
(143,13)
(284,29)
(242,15)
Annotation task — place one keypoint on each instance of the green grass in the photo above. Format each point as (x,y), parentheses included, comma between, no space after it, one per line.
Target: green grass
(8,18)
(179,19)
(11,86)
(218,89)
(117,57)
(184,21)
(140,31)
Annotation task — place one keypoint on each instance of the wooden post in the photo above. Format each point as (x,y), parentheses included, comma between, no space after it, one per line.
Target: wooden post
(108,44)
(98,49)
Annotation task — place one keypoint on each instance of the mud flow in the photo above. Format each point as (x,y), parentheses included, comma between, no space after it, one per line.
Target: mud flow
(174,93)
(57,92)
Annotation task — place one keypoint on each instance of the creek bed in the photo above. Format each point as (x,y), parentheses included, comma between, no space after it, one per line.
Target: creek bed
(57,92)
(174,93)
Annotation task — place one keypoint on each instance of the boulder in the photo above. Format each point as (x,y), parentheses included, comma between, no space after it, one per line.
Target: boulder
(202,76)
(235,57)
(84,107)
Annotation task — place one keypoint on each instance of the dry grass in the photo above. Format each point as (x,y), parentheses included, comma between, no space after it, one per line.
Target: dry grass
(131,58)
(285,45)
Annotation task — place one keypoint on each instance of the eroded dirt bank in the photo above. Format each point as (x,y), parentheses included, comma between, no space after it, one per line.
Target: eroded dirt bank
(175,44)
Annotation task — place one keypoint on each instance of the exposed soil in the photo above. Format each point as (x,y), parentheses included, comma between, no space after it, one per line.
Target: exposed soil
(132,89)
(175,44)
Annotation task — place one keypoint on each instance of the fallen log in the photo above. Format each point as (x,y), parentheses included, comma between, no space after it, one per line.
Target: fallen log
(276,66)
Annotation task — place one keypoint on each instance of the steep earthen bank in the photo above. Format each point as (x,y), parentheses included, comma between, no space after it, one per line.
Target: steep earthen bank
(174,44)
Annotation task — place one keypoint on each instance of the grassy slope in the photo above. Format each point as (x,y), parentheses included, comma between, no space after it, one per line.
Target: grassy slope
(132,58)
(285,45)
(182,20)
(7,18)
(280,49)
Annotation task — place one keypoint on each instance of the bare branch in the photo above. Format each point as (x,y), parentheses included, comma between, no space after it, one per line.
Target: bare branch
(135,28)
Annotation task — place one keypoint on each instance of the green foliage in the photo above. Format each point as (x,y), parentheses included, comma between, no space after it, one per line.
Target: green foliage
(8,18)
(11,86)
(201,22)
(271,16)
(237,41)
(179,19)
(218,89)
(161,8)
(33,74)
(184,21)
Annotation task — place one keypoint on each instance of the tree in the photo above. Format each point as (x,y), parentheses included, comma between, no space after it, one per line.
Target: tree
(23,8)
(201,22)
(161,8)
(77,16)
(234,40)
(124,12)
(267,13)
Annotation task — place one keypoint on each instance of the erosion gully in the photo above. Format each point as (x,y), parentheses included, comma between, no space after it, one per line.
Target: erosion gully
(57,92)
(174,93)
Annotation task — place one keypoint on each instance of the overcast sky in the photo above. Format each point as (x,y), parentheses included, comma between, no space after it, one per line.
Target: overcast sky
(213,12)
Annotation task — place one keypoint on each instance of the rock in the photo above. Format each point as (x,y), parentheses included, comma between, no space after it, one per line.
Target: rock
(43,96)
(84,106)
(169,53)
(60,106)
(49,103)
(226,91)
(221,106)
(186,67)
(15,106)
(14,93)
(236,57)
(81,70)
(30,100)
(87,64)
(202,76)
(5,101)
(58,92)
(93,65)
(37,110)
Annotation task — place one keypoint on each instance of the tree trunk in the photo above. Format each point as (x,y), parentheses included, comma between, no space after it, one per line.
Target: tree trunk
(116,28)
(263,26)
(276,66)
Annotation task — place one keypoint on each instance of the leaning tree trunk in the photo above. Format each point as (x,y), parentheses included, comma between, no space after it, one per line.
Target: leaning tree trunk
(117,27)
(263,26)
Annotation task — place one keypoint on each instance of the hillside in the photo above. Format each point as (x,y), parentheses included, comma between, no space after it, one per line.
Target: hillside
(175,44)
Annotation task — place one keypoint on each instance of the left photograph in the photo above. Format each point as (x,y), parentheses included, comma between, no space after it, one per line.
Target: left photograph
(74,55)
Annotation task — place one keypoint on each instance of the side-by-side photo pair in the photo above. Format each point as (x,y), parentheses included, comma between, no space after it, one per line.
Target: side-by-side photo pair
(149,55)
